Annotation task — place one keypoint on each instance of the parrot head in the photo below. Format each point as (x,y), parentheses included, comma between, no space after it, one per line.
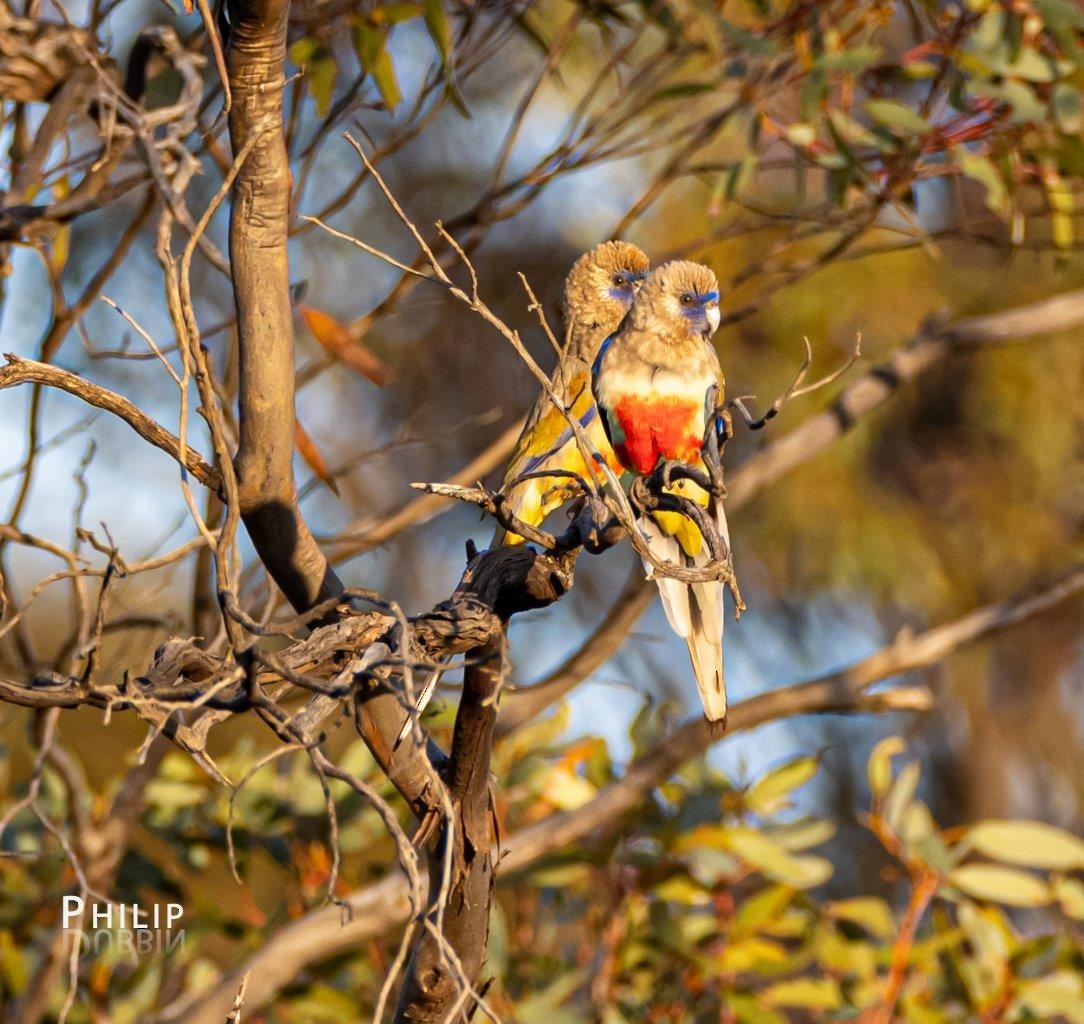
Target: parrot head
(601,285)
(682,296)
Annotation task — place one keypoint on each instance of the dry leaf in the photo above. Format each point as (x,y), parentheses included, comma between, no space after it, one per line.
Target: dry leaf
(336,340)
(311,454)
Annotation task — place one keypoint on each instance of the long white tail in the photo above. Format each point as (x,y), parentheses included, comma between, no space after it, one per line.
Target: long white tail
(695,612)
(422,699)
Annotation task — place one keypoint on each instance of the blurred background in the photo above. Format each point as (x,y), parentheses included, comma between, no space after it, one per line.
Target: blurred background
(843,168)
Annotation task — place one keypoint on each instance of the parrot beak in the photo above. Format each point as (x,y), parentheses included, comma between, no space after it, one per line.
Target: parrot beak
(714,316)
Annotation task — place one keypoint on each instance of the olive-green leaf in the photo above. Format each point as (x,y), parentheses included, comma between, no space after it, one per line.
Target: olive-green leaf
(759,909)
(805,993)
(897,117)
(769,793)
(1027,843)
(372,50)
(1000,885)
(436,21)
(321,72)
(983,170)
(880,764)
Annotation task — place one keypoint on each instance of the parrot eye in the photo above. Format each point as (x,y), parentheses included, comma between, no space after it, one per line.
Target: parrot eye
(619,280)
(686,299)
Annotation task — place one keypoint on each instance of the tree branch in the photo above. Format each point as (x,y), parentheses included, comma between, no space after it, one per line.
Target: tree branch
(24,371)
(384,905)
(259,222)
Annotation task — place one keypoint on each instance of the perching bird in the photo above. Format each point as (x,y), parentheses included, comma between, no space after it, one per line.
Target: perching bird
(651,382)
(598,292)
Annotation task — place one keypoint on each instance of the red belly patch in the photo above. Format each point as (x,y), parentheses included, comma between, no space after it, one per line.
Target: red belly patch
(657,428)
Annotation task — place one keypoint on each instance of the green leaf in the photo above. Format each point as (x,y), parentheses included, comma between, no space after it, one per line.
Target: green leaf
(983,170)
(682,889)
(323,1005)
(841,957)
(370,44)
(440,31)
(393,14)
(747,1009)
(1032,66)
(1027,843)
(770,793)
(680,91)
(544,1005)
(14,963)
(560,875)
(749,954)
(1066,104)
(1021,98)
(321,72)
(804,993)
(897,116)
(1000,885)
(858,58)
(747,40)
(303,51)
(759,909)
(737,175)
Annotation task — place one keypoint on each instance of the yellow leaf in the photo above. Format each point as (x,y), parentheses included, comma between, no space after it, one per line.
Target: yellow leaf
(804,993)
(880,764)
(1027,843)
(1070,894)
(682,889)
(58,255)
(868,912)
(565,789)
(1060,994)
(1000,885)
(749,954)
(772,861)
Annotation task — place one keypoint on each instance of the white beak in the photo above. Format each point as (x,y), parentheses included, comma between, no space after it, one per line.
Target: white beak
(713,317)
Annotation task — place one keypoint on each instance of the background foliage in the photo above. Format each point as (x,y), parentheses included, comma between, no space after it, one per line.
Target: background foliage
(843,167)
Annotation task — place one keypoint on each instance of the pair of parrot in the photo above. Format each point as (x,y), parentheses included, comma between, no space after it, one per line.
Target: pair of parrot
(636,373)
